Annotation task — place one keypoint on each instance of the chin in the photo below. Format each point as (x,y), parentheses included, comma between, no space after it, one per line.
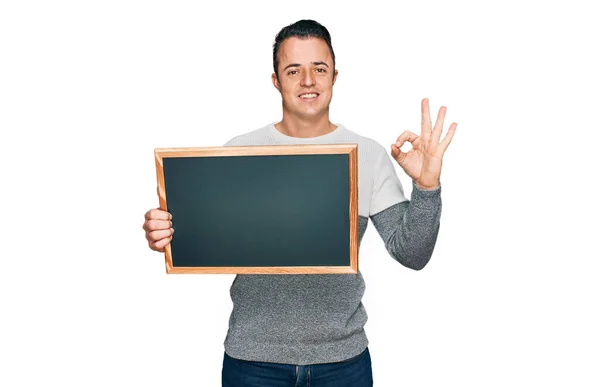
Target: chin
(307,112)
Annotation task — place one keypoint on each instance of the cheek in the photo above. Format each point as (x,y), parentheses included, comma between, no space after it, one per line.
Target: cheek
(287,88)
(326,85)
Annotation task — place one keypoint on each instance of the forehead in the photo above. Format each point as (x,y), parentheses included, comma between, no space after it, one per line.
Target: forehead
(304,51)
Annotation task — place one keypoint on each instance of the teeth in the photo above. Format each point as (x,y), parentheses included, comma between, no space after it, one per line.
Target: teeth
(307,96)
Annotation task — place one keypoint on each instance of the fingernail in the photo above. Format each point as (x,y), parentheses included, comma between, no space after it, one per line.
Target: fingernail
(172,230)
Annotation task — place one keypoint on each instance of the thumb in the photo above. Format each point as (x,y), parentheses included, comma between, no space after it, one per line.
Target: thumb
(397,154)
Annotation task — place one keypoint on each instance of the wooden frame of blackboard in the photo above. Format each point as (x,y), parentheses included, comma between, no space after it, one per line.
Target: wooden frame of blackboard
(267,150)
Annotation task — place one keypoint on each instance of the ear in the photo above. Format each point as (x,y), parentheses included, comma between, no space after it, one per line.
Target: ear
(275,82)
(335,74)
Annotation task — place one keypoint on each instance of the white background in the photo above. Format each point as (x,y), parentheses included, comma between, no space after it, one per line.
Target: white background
(89,89)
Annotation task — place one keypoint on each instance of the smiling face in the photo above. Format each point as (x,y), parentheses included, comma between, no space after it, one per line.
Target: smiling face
(306,78)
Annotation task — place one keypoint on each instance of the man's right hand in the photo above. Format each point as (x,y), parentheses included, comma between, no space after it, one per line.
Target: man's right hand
(158,227)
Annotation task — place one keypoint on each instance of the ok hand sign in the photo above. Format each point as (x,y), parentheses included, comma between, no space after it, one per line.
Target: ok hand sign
(423,163)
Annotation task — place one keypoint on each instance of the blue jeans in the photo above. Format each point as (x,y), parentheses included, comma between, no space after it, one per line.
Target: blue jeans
(354,372)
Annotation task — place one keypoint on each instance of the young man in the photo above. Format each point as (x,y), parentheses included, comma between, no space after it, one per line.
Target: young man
(292,330)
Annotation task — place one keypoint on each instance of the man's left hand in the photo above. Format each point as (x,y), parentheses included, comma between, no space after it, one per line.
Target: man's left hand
(423,163)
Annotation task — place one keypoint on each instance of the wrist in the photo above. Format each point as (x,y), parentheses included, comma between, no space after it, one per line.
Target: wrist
(424,187)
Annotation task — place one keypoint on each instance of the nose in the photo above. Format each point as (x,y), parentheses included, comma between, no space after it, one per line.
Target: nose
(307,80)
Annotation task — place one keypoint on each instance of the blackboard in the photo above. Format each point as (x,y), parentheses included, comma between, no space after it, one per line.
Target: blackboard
(285,209)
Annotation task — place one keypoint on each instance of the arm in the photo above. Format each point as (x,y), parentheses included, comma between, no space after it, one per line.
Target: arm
(409,229)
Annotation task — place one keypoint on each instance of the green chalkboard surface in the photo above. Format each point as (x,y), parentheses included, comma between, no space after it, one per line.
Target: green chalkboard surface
(261,209)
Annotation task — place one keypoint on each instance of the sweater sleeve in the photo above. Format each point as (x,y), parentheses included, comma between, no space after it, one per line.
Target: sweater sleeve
(409,229)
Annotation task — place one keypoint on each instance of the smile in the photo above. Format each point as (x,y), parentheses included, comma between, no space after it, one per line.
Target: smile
(309,96)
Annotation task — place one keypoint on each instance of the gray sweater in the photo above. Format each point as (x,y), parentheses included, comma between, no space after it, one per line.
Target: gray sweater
(319,318)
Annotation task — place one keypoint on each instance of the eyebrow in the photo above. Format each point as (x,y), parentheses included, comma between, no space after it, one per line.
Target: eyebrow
(298,64)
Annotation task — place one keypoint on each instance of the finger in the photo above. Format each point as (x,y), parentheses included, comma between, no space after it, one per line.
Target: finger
(448,137)
(397,154)
(407,135)
(439,124)
(157,213)
(153,224)
(154,236)
(161,244)
(425,119)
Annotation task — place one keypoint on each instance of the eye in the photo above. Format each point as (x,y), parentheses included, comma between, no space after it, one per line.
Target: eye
(292,72)
(321,70)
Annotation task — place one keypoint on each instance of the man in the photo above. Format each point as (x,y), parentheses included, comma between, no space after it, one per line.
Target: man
(292,330)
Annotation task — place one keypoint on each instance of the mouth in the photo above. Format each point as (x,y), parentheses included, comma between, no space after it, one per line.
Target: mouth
(309,96)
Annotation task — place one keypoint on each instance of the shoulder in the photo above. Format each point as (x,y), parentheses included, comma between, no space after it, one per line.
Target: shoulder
(248,137)
(367,147)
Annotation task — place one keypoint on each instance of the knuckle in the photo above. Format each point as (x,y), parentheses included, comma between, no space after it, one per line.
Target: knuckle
(156,246)
(152,236)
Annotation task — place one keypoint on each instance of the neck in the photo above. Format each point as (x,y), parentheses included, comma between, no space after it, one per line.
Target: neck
(305,127)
